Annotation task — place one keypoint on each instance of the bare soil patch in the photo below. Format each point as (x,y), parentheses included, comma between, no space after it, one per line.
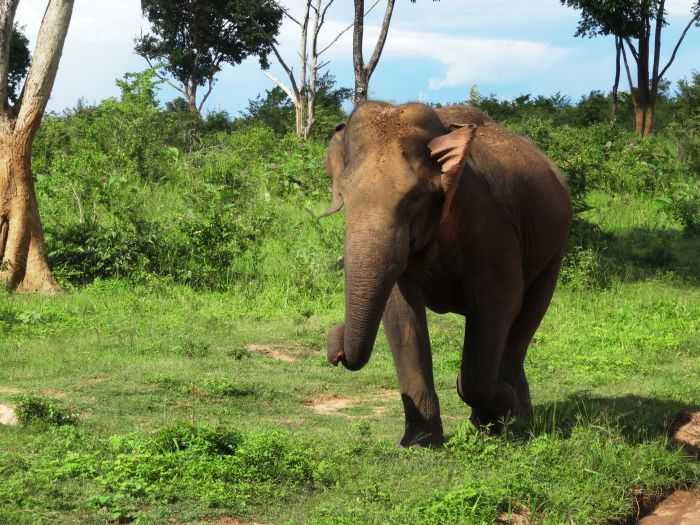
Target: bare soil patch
(8,416)
(521,517)
(680,508)
(330,405)
(234,521)
(9,390)
(223,521)
(685,432)
(287,352)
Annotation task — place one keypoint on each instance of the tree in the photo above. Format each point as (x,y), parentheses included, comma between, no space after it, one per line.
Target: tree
(22,247)
(191,40)
(302,90)
(643,21)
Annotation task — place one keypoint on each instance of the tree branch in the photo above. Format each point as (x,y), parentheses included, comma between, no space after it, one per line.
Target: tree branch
(286,12)
(163,77)
(382,38)
(657,49)
(206,95)
(696,18)
(8,8)
(42,73)
(294,92)
(344,30)
(280,84)
(357,34)
(629,77)
(634,52)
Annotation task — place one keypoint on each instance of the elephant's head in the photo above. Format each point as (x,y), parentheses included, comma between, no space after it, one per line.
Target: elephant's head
(395,170)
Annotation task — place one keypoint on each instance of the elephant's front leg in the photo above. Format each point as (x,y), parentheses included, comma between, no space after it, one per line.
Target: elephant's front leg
(407,332)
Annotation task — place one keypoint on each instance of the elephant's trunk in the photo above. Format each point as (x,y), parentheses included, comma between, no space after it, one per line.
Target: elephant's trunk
(373,262)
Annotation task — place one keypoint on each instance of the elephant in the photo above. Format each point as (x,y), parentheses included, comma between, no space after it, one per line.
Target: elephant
(445,209)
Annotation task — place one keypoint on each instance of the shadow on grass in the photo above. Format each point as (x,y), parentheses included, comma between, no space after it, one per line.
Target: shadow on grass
(636,254)
(637,418)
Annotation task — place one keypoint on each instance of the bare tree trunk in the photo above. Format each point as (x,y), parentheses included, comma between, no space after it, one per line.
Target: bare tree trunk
(363,72)
(616,84)
(22,245)
(310,91)
(644,103)
(24,263)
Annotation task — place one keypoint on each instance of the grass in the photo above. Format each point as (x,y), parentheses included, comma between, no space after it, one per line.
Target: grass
(179,418)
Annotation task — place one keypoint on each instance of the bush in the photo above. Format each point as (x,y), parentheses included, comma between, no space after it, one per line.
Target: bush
(684,205)
(33,408)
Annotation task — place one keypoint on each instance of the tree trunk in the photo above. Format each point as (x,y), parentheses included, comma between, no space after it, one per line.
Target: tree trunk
(23,262)
(299,114)
(361,79)
(363,72)
(616,83)
(644,118)
(22,245)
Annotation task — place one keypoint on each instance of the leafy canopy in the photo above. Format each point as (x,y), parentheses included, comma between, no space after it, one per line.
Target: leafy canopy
(20,59)
(191,39)
(623,18)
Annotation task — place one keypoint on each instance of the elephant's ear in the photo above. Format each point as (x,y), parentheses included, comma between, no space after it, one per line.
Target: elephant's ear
(451,152)
(335,163)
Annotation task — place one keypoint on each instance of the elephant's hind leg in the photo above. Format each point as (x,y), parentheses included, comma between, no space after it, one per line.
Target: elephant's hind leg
(535,303)
(495,301)
(406,329)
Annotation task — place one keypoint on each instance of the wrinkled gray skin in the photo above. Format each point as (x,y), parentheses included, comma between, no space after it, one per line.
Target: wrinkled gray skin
(445,209)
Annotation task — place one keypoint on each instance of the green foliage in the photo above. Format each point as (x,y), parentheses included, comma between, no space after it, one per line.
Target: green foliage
(687,127)
(31,408)
(684,204)
(276,111)
(605,156)
(623,18)
(203,466)
(190,41)
(20,59)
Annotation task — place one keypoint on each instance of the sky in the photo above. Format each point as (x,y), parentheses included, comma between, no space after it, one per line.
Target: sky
(435,51)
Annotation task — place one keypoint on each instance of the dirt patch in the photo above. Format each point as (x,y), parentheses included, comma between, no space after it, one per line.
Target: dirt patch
(330,405)
(53,393)
(685,432)
(234,521)
(283,352)
(521,517)
(9,390)
(222,521)
(8,416)
(680,508)
(96,380)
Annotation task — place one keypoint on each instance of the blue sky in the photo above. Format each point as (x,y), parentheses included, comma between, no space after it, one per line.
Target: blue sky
(435,52)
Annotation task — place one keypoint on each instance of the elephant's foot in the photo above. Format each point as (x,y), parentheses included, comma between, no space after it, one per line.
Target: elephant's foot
(430,437)
(491,410)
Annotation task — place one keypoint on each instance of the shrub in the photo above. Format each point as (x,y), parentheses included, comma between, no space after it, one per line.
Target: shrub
(684,205)
(33,408)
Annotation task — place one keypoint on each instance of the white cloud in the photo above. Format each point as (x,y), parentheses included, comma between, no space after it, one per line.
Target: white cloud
(476,60)
(680,7)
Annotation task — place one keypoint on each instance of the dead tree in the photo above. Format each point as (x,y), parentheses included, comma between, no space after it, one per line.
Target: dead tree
(301,89)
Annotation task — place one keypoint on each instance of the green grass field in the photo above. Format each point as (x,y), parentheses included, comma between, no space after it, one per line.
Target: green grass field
(193,405)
